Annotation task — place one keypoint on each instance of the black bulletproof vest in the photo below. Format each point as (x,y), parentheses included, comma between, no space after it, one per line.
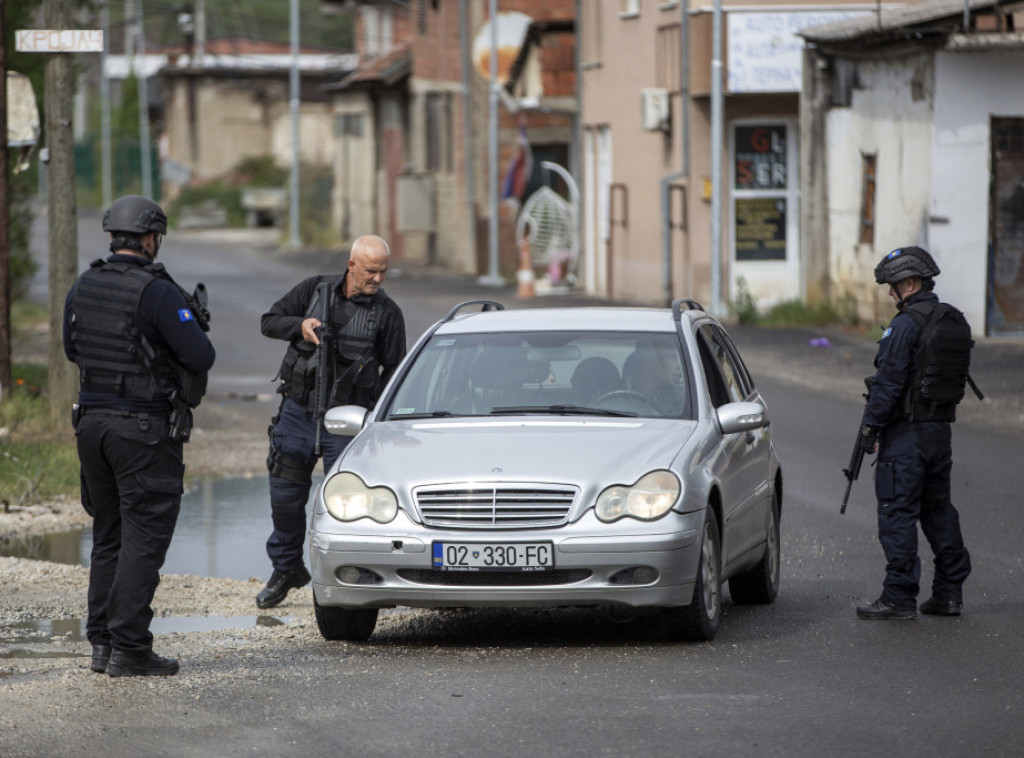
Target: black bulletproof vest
(354,327)
(108,347)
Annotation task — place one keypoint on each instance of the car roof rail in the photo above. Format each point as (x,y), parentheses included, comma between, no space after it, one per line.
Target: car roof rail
(679,302)
(488,305)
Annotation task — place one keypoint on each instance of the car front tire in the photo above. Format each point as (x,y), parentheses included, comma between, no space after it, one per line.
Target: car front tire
(352,624)
(760,585)
(698,621)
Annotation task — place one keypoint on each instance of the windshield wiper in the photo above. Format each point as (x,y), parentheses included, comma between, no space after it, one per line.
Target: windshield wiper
(560,410)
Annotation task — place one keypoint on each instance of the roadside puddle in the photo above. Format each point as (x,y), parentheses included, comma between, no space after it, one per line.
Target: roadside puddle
(73,630)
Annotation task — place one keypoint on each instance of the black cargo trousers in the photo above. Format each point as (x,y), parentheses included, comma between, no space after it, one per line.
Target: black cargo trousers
(912,483)
(131,486)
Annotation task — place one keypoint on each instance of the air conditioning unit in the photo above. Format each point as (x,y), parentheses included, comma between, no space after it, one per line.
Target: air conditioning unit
(655,111)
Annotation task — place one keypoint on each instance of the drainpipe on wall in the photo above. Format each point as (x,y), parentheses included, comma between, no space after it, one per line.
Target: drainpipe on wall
(467,130)
(684,105)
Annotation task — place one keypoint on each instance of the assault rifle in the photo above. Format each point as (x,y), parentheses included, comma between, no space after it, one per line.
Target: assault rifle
(323,354)
(857,457)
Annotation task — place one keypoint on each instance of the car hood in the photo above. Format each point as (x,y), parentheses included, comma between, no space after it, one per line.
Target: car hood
(565,450)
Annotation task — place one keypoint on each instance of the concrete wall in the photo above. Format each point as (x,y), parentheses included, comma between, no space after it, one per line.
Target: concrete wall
(240,117)
(612,80)
(887,121)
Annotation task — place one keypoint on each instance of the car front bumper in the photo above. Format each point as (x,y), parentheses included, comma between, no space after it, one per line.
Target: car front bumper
(594,564)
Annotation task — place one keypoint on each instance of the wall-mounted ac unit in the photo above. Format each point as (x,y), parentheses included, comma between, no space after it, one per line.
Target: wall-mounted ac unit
(655,113)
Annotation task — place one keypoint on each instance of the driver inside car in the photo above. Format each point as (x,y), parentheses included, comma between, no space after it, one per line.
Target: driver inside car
(657,374)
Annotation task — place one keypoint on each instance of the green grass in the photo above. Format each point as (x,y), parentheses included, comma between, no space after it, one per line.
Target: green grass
(37,462)
(795,313)
(792,313)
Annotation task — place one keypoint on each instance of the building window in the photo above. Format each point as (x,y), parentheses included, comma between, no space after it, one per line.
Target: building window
(667,58)
(867,200)
(439,128)
(371,32)
(348,125)
(590,30)
(421,17)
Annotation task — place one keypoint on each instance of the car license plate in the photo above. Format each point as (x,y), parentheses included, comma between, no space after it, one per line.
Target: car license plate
(493,556)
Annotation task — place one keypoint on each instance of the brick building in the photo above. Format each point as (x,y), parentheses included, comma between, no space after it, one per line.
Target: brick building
(413,122)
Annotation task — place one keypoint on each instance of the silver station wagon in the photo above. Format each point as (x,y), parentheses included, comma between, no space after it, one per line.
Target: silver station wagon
(554,457)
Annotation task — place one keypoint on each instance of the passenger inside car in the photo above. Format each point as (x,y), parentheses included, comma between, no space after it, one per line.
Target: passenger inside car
(593,377)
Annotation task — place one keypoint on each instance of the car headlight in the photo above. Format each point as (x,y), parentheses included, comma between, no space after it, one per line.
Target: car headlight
(650,498)
(347,498)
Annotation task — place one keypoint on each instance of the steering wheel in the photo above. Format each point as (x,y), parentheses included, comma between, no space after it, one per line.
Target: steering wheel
(632,396)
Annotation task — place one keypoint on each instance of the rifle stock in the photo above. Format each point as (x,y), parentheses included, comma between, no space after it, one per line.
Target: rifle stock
(199,302)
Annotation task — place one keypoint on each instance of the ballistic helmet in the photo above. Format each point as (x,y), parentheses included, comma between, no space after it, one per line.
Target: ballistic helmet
(905,262)
(135,214)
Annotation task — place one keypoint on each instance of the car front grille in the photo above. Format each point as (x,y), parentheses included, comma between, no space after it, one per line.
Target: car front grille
(494,578)
(500,506)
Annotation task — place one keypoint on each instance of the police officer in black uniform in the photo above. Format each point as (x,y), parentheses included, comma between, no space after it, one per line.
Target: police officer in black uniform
(366,343)
(143,358)
(915,457)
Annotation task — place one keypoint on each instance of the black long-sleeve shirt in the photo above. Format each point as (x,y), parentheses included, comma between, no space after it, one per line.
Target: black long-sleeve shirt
(284,322)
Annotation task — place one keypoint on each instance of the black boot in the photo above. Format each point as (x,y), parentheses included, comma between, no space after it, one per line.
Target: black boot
(280,582)
(140,664)
(934,607)
(883,610)
(100,658)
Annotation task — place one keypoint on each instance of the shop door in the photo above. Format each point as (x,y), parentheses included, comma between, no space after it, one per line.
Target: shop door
(1005,306)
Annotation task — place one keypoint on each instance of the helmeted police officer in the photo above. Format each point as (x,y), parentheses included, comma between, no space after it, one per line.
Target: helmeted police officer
(912,475)
(366,344)
(142,357)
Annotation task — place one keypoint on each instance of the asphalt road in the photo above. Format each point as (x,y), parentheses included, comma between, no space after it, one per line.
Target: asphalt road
(802,677)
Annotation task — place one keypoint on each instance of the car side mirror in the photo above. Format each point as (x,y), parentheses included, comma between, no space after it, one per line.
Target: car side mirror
(742,417)
(345,420)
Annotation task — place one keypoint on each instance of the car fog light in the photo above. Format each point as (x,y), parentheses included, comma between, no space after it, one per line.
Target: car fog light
(356,575)
(644,575)
(635,575)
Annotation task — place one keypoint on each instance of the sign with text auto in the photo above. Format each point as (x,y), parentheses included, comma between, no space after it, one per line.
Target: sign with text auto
(58,40)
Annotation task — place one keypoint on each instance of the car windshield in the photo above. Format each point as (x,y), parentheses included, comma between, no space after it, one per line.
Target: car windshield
(554,373)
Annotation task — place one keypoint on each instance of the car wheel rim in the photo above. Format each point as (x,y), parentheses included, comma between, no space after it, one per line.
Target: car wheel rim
(773,549)
(710,574)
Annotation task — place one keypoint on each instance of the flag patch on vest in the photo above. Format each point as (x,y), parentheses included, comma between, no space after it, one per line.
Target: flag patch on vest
(184,314)
(887,332)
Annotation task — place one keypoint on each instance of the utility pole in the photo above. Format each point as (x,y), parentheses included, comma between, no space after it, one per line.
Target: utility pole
(295,238)
(143,80)
(62,213)
(493,277)
(5,220)
(107,173)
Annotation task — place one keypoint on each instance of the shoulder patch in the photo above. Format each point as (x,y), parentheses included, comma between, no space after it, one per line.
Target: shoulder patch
(184,314)
(887,332)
